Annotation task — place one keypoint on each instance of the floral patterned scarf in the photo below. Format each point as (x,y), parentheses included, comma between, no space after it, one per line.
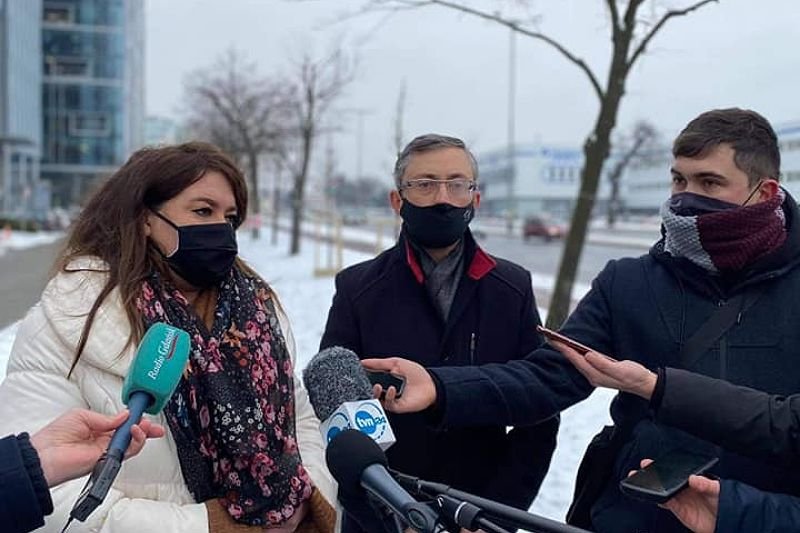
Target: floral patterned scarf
(232,415)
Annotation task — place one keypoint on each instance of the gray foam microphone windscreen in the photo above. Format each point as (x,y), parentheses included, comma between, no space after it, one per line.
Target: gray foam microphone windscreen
(335,376)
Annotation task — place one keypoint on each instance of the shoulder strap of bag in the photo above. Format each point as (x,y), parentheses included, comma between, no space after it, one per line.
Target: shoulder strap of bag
(720,321)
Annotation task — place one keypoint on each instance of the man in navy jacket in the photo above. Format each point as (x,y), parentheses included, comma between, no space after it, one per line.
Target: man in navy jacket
(728,229)
(437,298)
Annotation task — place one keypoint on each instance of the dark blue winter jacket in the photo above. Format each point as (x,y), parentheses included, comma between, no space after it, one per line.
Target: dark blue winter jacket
(381,309)
(743,420)
(644,309)
(744,508)
(24,496)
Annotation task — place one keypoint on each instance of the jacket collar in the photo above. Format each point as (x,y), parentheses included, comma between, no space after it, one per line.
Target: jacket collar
(480,263)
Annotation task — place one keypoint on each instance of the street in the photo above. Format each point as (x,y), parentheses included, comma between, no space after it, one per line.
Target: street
(24,275)
(25,272)
(541,257)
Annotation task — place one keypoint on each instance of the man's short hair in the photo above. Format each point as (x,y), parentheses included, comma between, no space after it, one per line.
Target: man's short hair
(751,136)
(427,143)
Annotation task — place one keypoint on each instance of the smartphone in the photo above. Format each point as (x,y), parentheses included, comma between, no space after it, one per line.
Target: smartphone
(386,380)
(666,476)
(554,335)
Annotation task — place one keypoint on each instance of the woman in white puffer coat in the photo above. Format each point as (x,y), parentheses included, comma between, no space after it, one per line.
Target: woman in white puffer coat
(157,243)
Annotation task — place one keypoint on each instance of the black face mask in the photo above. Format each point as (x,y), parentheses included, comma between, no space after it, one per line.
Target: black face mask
(435,226)
(689,204)
(205,252)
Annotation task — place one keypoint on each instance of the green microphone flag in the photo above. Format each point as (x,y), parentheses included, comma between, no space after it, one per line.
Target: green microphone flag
(158,374)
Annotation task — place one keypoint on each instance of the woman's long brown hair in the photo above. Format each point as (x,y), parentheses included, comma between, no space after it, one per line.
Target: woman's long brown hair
(111,225)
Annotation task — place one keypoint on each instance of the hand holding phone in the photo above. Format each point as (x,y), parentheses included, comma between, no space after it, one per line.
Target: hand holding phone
(563,339)
(664,478)
(386,380)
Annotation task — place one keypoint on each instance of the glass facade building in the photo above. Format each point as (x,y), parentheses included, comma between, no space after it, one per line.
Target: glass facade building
(92,92)
(20,108)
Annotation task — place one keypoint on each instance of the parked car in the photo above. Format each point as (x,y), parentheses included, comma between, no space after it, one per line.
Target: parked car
(354,217)
(543,227)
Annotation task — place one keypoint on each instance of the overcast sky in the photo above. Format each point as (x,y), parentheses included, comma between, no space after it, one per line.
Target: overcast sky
(733,53)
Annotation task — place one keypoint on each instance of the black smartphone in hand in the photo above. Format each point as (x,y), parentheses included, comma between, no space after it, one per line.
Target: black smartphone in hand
(386,380)
(666,476)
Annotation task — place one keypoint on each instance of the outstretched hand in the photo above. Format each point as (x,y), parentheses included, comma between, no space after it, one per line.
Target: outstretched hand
(70,445)
(603,371)
(419,392)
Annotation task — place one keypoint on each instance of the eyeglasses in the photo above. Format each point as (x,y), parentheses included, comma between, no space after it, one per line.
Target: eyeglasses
(457,188)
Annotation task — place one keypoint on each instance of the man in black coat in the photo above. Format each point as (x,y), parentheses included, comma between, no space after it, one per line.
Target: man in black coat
(437,298)
(729,230)
(65,449)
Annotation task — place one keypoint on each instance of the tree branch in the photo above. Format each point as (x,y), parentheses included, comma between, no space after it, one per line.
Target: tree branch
(614,12)
(668,15)
(580,63)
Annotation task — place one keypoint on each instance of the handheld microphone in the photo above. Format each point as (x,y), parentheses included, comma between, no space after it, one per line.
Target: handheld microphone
(152,378)
(357,463)
(341,395)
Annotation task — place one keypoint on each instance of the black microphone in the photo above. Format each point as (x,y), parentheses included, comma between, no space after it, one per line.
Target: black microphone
(358,464)
(466,515)
(503,513)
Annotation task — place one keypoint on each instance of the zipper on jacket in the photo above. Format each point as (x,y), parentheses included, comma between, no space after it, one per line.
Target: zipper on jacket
(472,349)
(723,347)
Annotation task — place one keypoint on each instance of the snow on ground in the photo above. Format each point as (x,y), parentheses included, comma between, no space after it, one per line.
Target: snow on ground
(6,340)
(307,298)
(18,240)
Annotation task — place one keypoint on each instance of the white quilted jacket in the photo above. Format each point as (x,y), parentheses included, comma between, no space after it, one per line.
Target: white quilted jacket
(149,493)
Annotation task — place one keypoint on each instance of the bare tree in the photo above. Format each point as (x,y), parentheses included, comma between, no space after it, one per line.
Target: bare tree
(630,148)
(631,34)
(317,83)
(243,113)
(276,197)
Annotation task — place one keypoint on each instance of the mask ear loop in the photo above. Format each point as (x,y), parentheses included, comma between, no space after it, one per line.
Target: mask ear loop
(758,186)
(177,231)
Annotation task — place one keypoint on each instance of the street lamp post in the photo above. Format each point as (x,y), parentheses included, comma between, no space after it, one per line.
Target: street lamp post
(512,89)
(360,113)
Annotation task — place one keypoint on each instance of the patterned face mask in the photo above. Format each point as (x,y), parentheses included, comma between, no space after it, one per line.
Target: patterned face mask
(720,236)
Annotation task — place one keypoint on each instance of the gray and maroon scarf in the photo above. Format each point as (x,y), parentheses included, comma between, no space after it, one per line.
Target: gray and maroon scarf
(232,415)
(727,240)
